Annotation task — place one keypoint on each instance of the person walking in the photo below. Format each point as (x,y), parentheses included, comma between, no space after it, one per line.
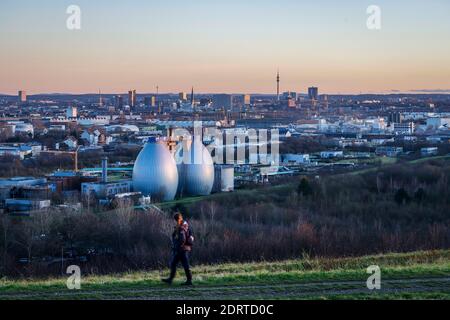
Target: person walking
(182,242)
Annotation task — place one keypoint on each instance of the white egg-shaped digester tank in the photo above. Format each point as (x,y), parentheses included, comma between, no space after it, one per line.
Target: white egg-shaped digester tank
(195,168)
(155,172)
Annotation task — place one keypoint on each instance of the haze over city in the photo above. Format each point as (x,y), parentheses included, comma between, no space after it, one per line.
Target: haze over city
(230,47)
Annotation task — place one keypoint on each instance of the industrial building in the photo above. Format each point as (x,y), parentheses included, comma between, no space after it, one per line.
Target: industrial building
(105,189)
(164,170)
(388,151)
(155,172)
(25,206)
(195,169)
(223,178)
(22,195)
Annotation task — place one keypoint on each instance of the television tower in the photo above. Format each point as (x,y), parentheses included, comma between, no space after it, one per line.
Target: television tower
(278,85)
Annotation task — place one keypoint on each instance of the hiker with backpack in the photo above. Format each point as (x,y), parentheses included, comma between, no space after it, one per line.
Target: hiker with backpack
(182,242)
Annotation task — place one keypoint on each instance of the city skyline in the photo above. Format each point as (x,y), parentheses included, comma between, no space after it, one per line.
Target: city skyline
(232,47)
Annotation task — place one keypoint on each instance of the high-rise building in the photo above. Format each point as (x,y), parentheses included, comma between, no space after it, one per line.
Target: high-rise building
(247,99)
(22,97)
(100,98)
(150,101)
(118,101)
(132,98)
(313,93)
(192,97)
(325,101)
(395,117)
(278,86)
(290,95)
(182,96)
(223,101)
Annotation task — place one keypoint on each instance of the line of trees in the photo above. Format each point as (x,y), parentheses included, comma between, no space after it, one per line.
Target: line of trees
(397,208)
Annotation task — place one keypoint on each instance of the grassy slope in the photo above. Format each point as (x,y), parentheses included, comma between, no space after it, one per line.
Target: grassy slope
(342,278)
(385,161)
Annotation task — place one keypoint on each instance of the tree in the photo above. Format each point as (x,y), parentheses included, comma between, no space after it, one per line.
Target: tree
(402,197)
(420,195)
(305,188)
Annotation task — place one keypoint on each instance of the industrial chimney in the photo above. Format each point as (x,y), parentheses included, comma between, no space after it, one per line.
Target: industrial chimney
(105,170)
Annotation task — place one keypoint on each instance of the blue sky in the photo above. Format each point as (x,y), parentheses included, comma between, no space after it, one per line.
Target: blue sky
(224,46)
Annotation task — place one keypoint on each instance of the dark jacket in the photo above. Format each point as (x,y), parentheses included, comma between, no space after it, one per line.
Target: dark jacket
(180,238)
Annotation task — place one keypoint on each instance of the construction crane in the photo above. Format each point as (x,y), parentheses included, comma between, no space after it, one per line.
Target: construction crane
(74,154)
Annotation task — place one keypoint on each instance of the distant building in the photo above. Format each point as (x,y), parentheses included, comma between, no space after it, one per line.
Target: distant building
(99,121)
(289,95)
(104,190)
(22,128)
(438,123)
(437,139)
(72,112)
(278,85)
(247,99)
(223,178)
(389,151)
(21,182)
(122,128)
(71,142)
(404,128)
(182,96)
(395,117)
(150,102)
(12,151)
(192,98)
(96,137)
(25,206)
(22,97)
(118,101)
(431,151)
(132,98)
(291,103)
(313,93)
(223,101)
(295,158)
(57,127)
(331,154)
(205,102)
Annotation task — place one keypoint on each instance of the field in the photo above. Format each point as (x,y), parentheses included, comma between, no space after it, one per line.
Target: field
(419,275)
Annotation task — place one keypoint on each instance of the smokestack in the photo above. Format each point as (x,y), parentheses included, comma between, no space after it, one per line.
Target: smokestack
(105,170)
(171,143)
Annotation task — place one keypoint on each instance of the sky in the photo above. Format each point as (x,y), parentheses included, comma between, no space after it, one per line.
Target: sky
(224,46)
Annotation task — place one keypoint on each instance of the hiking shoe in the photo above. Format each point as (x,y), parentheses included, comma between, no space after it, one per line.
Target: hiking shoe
(168,280)
(187,283)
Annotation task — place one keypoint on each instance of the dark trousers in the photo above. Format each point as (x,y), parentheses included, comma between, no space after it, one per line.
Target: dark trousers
(183,257)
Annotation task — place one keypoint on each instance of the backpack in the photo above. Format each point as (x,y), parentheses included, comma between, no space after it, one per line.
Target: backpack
(189,236)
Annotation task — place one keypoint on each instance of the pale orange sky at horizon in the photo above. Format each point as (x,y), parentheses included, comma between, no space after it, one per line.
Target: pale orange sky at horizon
(218,47)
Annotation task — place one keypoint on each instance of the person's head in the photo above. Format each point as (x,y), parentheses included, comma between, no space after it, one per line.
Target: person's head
(178,217)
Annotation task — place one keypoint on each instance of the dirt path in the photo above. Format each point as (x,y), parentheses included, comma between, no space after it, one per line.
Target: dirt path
(279,291)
